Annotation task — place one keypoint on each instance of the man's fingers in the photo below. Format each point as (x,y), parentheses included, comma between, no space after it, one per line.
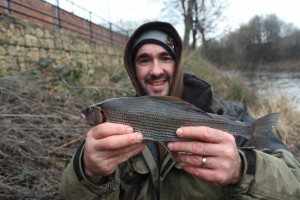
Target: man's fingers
(196,160)
(128,154)
(204,134)
(122,151)
(108,165)
(118,141)
(198,148)
(108,129)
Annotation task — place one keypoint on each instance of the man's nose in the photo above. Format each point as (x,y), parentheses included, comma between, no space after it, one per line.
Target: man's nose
(156,68)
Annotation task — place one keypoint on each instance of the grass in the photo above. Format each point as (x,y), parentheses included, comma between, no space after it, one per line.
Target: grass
(224,87)
(288,126)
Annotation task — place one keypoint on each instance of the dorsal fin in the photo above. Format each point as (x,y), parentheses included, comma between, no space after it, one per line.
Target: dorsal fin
(178,103)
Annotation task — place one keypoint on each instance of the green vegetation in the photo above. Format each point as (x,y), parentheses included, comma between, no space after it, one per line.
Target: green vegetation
(224,87)
(90,83)
(98,83)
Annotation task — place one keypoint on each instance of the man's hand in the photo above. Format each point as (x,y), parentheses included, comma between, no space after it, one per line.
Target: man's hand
(223,164)
(107,146)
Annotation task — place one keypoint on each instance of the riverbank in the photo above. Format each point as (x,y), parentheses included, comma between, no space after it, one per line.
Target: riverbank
(268,83)
(276,92)
(280,66)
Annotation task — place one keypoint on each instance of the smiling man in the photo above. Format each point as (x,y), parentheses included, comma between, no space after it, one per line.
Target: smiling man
(114,163)
(154,62)
(154,68)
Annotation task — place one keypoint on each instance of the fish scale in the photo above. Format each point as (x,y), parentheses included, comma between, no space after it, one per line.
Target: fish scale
(156,129)
(158,118)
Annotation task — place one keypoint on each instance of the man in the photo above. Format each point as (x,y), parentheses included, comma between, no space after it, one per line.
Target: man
(114,163)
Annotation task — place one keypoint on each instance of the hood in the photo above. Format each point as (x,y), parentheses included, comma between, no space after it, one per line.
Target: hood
(177,84)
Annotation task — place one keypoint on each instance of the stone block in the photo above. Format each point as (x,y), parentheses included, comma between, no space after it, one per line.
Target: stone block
(31,41)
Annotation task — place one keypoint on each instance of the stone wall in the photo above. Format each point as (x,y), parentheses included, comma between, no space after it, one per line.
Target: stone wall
(23,44)
(47,14)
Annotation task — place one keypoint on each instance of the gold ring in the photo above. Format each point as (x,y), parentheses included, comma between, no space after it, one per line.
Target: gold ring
(203,162)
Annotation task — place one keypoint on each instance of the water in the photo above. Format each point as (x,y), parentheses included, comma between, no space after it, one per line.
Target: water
(266,83)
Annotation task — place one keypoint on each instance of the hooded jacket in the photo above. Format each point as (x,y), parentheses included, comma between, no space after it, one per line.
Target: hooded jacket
(267,175)
(177,84)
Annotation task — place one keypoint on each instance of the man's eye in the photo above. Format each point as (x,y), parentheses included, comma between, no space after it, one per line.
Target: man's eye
(144,60)
(166,58)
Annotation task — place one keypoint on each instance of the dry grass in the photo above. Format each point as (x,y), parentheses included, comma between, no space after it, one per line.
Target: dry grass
(224,86)
(40,131)
(40,124)
(288,125)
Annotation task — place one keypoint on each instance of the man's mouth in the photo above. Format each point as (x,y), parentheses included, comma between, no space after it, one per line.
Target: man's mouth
(157,85)
(157,82)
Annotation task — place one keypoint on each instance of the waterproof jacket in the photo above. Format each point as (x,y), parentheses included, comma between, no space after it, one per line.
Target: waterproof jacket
(267,175)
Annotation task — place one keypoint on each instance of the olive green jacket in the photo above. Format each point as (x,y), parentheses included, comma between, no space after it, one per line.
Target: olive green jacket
(277,178)
(273,174)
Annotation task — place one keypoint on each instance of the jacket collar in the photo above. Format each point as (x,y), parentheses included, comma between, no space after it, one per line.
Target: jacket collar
(198,92)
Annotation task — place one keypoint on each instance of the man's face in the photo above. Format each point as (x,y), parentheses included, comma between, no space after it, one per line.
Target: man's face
(154,69)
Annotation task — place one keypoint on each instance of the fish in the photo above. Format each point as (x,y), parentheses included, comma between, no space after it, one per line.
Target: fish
(158,118)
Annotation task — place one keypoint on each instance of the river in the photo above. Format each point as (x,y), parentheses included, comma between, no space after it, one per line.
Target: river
(266,83)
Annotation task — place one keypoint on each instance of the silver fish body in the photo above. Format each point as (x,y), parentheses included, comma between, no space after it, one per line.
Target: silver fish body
(158,118)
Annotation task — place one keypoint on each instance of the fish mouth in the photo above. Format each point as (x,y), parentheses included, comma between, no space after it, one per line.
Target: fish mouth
(83,118)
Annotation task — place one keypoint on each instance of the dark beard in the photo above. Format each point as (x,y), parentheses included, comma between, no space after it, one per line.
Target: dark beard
(151,78)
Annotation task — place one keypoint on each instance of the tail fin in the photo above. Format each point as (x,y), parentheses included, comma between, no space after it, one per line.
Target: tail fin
(262,128)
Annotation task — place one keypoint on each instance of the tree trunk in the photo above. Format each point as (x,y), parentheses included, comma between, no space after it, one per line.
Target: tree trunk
(188,22)
(195,22)
(204,43)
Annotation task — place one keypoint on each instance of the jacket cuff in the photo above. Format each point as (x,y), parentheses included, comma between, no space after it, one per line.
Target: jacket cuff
(111,182)
(248,156)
